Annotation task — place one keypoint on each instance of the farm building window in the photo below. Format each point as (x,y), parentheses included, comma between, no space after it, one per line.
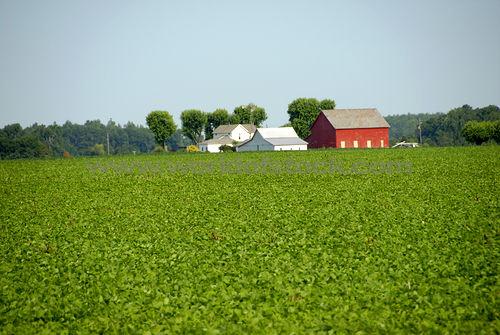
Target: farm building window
(342,144)
(381,143)
(355,144)
(369,144)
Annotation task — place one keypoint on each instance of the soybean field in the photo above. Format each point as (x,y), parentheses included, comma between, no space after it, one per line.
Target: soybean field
(320,241)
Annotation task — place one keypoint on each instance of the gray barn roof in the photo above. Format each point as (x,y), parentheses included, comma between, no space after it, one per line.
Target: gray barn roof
(225,128)
(251,128)
(355,118)
(221,140)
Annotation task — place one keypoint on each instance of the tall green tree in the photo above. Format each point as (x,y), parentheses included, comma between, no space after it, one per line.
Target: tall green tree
(258,115)
(216,118)
(303,111)
(243,114)
(162,125)
(326,104)
(478,132)
(193,124)
(18,143)
(250,113)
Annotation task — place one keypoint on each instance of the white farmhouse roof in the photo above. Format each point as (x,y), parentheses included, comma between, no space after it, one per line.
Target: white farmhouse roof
(221,140)
(225,128)
(283,132)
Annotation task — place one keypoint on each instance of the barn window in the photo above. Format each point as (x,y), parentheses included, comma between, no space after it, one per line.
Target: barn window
(369,143)
(355,144)
(342,144)
(381,143)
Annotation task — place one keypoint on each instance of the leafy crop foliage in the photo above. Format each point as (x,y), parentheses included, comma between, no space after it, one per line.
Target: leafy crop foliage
(113,245)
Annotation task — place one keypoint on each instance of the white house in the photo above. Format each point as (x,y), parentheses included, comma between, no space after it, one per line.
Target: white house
(276,139)
(238,132)
(214,144)
(227,134)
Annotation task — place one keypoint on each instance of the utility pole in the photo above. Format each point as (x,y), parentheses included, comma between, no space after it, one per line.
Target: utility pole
(107,134)
(419,126)
(107,140)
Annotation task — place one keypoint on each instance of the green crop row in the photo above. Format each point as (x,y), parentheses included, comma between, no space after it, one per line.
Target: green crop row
(268,242)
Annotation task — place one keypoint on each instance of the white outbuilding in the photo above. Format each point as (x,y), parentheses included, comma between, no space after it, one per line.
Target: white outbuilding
(214,144)
(265,139)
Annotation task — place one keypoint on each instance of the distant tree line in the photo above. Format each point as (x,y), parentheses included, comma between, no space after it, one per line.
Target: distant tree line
(446,129)
(405,127)
(89,139)
(459,126)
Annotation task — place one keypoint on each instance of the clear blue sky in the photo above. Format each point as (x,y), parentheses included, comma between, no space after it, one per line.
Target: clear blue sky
(78,60)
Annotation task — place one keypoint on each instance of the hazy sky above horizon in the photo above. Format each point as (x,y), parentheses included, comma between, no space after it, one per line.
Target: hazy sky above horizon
(79,60)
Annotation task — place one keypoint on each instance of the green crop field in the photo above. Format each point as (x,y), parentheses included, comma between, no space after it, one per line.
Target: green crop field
(354,241)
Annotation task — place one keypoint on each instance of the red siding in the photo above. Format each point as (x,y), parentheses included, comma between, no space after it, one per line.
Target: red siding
(322,133)
(362,136)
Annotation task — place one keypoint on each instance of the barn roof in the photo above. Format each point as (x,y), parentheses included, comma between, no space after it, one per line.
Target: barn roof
(279,136)
(227,128)
(221,140)
(355,118)
(251,128)
(282,132)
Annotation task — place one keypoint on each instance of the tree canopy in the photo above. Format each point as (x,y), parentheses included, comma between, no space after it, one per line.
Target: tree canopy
(404,127)
(303,111)
(478,132)
(250,113)
(216,118)
(446,129)
(85,139)
(193,124)
(162,125)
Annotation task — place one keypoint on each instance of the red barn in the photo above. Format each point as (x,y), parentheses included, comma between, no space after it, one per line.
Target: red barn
(349,128)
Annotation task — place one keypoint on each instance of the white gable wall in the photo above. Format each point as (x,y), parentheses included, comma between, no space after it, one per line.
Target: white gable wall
(256,144)
(240,134)
(259,142)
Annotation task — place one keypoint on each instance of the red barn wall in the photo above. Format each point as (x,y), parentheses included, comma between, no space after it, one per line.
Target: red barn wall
(322,134)
(362,135)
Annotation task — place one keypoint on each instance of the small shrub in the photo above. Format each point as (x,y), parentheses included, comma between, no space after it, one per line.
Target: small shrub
(98,150)
(227,148)
(192,148)
(66,154)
